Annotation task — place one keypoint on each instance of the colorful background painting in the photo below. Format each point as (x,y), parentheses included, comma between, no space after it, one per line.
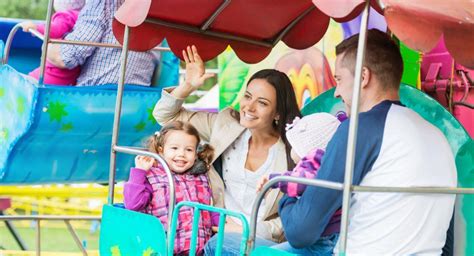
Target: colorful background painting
(310,70)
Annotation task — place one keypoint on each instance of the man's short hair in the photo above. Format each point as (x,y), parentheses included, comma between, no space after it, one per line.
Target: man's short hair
(382,57)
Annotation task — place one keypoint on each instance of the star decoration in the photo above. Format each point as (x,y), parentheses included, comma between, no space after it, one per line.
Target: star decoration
(20,105)
(3,135)
(148,252)
(140,126)
(67,127)
(56,111)
(150,115)
(115,251)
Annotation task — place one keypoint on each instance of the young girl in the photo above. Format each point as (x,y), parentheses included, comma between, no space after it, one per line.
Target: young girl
(62,23)
(308,138)
(147,189)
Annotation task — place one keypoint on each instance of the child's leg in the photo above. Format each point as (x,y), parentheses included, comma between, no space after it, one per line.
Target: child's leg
(324,246)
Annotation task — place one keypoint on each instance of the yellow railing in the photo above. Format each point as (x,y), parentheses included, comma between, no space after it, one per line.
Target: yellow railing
(80,199)
(62,191)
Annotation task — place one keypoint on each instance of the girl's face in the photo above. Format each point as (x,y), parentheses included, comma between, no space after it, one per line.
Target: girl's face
(258,106)
(179,151)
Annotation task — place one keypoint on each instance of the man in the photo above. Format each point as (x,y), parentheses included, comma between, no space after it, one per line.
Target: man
(395,147)
(100,65)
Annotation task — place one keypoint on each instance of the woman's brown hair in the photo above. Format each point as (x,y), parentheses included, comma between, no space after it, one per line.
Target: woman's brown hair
(287,106)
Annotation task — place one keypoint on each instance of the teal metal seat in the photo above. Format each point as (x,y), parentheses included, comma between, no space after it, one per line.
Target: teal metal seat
(125,232)
(265,251)
(223,213)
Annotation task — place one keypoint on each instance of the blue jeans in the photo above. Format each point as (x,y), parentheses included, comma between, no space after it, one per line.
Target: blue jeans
(231,244)
(324,246)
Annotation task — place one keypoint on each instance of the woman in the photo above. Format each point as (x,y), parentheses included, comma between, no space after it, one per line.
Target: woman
(248,144)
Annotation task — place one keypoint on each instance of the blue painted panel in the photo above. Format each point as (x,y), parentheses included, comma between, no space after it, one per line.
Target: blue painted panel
(63,134)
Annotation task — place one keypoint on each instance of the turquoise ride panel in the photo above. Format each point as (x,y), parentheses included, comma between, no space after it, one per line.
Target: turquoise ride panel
(63,134)
(265,251)
(125,232)
(461,144)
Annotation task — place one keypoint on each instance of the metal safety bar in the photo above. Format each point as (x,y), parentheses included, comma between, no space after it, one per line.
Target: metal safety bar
(39,218)
(84,43)
(34,32)
(267,186)
(8,43)
(223,213)
(414,190)
(169,175)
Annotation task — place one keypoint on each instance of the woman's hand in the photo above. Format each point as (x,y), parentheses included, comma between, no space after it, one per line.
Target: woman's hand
(262,182)
(195,73)
(144,162)
(230,226)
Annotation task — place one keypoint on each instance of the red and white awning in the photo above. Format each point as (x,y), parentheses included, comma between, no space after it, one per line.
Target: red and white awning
(252,28)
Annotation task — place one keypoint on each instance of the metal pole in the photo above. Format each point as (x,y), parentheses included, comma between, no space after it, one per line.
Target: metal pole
(14,233)
(420,190)
(75,237)
(85,43)
(44,47)
(16,236)
(209,33)
(211,19)
(354,120)
(48,217)
(118,111)
(38,238)
(267,186)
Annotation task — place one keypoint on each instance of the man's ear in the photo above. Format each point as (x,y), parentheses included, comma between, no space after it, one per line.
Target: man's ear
(366,76)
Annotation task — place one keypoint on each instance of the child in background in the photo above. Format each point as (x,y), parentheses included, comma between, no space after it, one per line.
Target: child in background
(62,23)
(308,138)
(147,189)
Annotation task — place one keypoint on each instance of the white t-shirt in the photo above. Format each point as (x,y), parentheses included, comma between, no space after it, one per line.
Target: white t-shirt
(240,192)
(401,223)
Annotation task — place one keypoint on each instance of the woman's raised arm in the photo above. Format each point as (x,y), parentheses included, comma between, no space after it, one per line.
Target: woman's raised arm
(195,74)
(169,107)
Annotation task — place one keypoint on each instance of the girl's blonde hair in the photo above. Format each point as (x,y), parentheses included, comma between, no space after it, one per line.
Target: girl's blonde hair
(205,153)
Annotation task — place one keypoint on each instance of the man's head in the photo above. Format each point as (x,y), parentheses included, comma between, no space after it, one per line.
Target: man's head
(381,73)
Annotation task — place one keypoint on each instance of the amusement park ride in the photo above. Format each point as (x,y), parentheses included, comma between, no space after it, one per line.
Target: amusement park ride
(67,140)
